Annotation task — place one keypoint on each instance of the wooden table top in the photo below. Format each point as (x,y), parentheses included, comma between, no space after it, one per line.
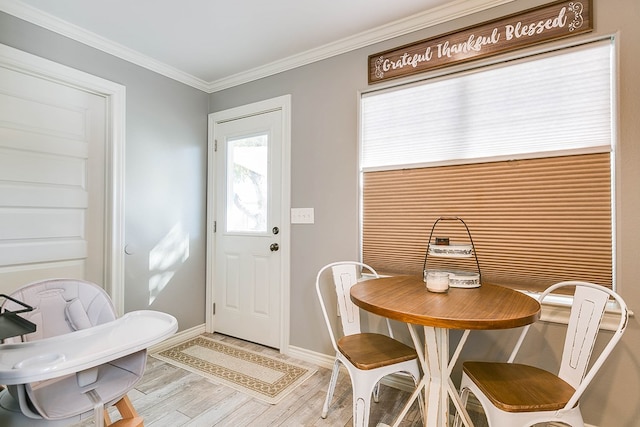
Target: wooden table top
(406,298)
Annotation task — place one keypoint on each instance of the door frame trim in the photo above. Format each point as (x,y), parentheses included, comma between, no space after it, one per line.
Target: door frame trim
(115,96)
(282,103)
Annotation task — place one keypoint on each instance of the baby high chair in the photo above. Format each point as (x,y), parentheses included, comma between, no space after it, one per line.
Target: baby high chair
(80,360)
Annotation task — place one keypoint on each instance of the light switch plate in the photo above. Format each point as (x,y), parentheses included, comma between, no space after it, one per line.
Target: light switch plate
(302,216)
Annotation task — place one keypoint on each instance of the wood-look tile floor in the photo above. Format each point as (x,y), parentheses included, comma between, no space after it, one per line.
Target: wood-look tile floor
(168,396)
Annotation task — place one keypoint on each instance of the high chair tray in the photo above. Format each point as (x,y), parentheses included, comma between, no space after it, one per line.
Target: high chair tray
(53,357)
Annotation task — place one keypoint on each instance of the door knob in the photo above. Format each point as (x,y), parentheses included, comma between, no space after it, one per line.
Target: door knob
(274,247)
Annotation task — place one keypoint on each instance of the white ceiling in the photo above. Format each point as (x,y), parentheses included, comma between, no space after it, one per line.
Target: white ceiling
(213,44)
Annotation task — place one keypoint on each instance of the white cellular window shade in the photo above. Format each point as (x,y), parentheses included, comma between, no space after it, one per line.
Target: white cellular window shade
(523,152)
(542,104)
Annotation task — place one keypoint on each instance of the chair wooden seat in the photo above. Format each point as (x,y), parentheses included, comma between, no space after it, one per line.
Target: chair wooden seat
(370,351)
(516,395)
(513,387)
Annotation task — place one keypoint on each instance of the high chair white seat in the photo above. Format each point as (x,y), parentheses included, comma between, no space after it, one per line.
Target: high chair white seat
(368,357)
(80,360)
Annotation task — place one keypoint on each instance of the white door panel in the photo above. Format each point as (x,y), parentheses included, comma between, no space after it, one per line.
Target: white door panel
(52,181)
(22,254)
(35,104)
(26,167)
(15,195)
(18,139)
(21,223)
(248,298)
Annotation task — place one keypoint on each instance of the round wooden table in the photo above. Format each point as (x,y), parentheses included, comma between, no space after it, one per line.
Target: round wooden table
(406,298)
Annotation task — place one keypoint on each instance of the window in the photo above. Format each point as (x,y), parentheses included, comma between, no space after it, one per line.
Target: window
(523,152)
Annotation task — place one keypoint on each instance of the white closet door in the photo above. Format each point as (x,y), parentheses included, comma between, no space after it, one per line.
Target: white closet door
(52,181)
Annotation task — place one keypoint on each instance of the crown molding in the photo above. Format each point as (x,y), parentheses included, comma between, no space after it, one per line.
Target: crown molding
(74,32)
(428,18)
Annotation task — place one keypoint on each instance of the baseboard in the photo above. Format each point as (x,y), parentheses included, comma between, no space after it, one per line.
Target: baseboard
(322,360)
(178,338)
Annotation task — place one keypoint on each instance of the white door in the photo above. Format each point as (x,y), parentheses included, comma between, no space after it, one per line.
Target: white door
(52,181)
(249,233)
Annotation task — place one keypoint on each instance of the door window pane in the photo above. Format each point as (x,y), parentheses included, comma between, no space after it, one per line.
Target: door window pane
(247,163)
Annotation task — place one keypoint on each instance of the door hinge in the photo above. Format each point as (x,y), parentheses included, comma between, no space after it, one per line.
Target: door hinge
(215,226)
(214,308)
(215,145)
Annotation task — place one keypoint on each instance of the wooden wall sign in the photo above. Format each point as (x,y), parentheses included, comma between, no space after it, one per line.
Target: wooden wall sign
(549,22)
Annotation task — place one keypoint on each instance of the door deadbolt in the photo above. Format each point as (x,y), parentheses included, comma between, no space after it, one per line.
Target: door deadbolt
(275,230)
(274,247)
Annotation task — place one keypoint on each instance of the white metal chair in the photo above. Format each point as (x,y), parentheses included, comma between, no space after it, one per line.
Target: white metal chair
(513,394)
(63,306)
(368,357)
